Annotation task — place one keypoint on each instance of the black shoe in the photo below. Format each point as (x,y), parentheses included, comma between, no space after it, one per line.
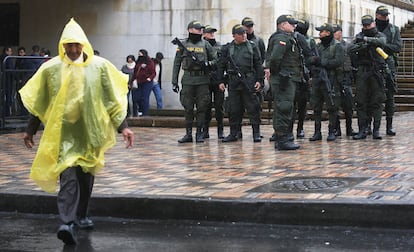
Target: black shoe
(66,233)
(331,137)
(229,138)
(338,132)
(376,135)
(300,134)
(220,133)
(257,138)
(350,132)
(291,138)
(186,139)
(316,137)
(273,138)
(391,132)
(359,136)
(206,135)
(199,138)
(288,145)
(85,223)
(239,135)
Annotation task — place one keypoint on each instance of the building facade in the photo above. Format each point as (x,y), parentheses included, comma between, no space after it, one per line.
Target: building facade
(117,28)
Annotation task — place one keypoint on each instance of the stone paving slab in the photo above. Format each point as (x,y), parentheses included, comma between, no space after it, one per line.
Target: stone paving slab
(345,172)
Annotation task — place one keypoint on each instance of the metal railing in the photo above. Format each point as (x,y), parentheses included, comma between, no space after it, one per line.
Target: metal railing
(406,59)
(12,110)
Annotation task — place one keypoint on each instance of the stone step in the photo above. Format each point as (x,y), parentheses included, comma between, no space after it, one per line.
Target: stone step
(404,99)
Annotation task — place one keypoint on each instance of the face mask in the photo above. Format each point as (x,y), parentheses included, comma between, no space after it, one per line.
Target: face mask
(370,32)
(194,37)
(141,59)
(382,24)
(326,40)
(250,36)
(301,30)
(212,41)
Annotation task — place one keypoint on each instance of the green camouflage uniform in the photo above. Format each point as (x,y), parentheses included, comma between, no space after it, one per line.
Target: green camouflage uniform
(247,59)
(332,58)
(369,81)
(284,61)
(392,48)
(195,81)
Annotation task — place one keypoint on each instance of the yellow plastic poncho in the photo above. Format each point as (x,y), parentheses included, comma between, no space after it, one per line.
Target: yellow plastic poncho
(80,104)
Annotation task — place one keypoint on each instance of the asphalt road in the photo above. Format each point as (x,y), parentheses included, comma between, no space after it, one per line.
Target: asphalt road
(28,232)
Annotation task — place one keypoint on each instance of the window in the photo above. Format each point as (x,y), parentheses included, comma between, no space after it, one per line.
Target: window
(9,24)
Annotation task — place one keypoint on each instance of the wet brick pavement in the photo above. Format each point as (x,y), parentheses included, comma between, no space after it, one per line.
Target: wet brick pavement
(342,172)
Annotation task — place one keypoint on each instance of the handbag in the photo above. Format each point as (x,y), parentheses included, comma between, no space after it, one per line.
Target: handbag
(134,84)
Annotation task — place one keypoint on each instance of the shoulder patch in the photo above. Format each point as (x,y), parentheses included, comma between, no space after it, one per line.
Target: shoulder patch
(283,43)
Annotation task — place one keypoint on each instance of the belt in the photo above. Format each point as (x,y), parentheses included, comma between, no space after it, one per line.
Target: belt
(196,73)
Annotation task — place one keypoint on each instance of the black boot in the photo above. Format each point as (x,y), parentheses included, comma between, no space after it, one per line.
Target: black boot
(290,136)
(199,135)
(368,130)
(239,133)
(283,143)
(317,135)
(390,130)
(273,138)
(337,130)
(256,133)
(362,131)
(206,131)
(375,132)
(349,130)
(300,133)
(331,134)
(232,137)
(188,138)
(220,133)
(331,137)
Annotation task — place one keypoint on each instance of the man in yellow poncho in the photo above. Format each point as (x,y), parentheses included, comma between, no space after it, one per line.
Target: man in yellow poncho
(80,99)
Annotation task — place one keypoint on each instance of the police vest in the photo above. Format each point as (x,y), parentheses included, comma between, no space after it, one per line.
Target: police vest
(200,51)
(242,65)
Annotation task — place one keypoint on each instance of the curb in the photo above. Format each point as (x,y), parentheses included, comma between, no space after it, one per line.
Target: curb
(265,212)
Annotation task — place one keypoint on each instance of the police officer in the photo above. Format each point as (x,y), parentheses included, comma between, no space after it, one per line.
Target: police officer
(216,94)
(392,47)
(248,24)
(370,81)
(241,61)
(345,86)
(326,76)
(195,59)
(302,90)
(284,62)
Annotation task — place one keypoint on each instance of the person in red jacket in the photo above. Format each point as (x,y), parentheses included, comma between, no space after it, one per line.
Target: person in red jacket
(144,74)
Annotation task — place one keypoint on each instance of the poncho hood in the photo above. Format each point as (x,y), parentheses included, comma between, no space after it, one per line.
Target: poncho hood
(73,33)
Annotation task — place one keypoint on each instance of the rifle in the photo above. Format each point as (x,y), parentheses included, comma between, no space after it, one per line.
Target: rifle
(389,78)
(323,76)
(205,65)
(305,70)
(241,76)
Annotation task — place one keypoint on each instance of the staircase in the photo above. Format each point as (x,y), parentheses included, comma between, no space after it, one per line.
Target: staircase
(404,98)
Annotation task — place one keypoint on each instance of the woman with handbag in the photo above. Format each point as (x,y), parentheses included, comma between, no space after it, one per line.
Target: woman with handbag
(144,74)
